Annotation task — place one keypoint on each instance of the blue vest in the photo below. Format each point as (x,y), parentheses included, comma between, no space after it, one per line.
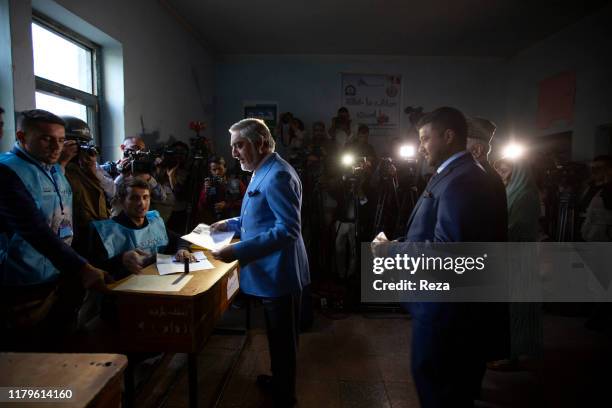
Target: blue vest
(21,263)
(118,239)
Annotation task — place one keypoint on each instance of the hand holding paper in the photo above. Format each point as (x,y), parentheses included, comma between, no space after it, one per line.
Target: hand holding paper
(209,238)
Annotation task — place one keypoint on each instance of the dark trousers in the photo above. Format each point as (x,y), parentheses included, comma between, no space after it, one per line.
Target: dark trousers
(282,316)
(447,366)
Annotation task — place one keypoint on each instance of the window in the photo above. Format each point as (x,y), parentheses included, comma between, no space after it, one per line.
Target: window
(66,71)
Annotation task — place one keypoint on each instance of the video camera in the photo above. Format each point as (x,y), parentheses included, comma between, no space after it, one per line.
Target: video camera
(77,130)
(353,169)
(567,175)
(140,162)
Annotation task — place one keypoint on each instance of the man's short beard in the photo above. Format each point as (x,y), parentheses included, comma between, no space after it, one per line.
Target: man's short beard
(254,155)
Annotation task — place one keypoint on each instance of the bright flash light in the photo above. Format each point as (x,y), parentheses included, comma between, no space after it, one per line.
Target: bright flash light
(513,151)
(407,151)
(348,159)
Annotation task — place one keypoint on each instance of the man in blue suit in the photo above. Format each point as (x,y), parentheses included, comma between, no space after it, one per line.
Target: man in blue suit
(271,253)
(451,342)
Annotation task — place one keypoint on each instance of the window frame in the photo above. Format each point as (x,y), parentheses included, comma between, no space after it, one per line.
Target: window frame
(56,89)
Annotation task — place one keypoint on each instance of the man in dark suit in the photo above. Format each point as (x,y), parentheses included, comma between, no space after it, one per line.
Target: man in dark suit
(450,341)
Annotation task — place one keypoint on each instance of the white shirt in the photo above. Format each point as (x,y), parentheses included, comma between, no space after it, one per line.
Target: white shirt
(450,160)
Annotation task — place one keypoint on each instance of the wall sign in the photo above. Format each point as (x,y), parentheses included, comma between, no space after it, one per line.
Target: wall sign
(373,100)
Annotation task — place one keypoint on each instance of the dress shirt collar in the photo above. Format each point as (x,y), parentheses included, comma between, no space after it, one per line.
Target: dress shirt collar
(265,159)
(450,160)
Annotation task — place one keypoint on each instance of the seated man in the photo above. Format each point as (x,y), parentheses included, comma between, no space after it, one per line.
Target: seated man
(129,241)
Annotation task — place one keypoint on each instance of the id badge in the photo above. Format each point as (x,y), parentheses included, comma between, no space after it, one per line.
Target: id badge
(65,230)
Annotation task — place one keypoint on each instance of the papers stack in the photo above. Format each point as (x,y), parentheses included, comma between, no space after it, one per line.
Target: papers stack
(204,237)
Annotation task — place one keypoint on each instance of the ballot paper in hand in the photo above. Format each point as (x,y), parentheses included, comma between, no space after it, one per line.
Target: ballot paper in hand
(204,237)
(166,264)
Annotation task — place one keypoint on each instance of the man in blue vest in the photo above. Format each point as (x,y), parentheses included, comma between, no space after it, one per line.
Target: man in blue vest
(36,260)
(128,242)
(272,256)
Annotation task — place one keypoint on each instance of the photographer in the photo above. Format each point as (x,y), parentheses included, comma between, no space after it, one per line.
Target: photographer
(173,174)
(136,162)
(297,150)
(597,226)
(342,129)
(282,133)
(350,215)
(221,196)
(90,187)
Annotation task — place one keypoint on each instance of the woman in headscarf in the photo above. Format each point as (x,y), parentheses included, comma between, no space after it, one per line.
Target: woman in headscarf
(523,216)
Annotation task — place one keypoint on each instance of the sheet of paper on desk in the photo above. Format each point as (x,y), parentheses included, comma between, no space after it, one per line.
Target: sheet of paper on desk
(202,236)
(154,283)
(166,264)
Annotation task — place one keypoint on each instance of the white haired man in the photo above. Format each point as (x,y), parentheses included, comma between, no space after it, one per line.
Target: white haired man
(272,255)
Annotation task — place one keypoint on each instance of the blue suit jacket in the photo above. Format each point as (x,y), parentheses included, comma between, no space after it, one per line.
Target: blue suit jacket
(272,256)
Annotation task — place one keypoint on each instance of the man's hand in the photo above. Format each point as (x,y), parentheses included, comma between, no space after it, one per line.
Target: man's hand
(220,206)
(207,184)
(376,244)
(219,226)
(135,260)
(69,152)
(225,254)
(94,278)
(183,254)
(124,165)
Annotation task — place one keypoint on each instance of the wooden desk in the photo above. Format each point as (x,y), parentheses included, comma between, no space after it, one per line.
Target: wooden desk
(94,379)
(176,321)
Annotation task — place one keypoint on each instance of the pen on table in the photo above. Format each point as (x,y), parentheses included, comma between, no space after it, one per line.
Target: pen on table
(186,261)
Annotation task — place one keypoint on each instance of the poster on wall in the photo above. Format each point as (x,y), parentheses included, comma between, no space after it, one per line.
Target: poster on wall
(266,111)
(556,99)
(373,100)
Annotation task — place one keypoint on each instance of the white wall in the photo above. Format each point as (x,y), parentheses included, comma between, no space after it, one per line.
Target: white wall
(160,63)
(583,47)
(309,86)
(6,75)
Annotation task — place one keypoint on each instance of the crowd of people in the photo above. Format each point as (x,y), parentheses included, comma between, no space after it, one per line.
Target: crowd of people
(69,225)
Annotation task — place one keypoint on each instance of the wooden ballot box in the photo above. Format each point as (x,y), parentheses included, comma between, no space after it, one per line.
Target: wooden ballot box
(65,380)
(176,321)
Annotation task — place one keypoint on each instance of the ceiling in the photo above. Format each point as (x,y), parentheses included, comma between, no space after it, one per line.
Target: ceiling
(495,28)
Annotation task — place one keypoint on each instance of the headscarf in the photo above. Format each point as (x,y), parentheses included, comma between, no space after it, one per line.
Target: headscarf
(523,204)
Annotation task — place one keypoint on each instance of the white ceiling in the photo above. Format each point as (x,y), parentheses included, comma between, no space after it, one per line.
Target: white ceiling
(494,28)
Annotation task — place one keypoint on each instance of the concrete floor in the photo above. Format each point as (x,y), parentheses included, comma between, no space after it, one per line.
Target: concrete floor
(363,360)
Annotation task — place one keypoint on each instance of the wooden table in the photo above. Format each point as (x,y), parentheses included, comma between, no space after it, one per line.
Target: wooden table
(94,379)
(178,321)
